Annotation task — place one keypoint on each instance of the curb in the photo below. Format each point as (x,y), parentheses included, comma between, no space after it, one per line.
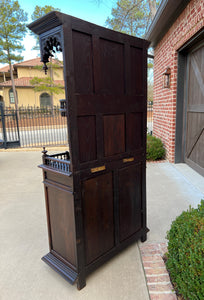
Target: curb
(35,149)
(157,276)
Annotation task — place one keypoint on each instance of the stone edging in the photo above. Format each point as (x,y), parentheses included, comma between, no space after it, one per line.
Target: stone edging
(157,277)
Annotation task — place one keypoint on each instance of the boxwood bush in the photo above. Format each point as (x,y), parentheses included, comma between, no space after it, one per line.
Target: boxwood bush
(155,148)
(185,257)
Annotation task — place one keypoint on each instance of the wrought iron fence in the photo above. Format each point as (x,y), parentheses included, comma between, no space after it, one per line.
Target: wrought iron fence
(36,126)
(9,129)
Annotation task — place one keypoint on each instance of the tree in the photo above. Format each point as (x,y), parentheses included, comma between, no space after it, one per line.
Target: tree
(12,32)
(153,5)
(132,16)
(47,84)
(39,12)
(150,91)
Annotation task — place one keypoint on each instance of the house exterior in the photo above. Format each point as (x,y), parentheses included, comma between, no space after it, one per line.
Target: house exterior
(23,72)
(177,36)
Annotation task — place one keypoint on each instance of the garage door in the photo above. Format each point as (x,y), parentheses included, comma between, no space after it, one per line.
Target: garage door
(194,148)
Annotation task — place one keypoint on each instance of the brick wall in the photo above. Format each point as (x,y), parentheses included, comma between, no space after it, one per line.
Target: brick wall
(188,24)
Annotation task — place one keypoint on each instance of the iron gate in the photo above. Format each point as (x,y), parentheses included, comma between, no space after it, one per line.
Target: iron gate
(9,129)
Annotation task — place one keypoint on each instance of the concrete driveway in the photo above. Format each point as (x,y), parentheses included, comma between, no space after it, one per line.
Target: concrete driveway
(171,188)
(23,233)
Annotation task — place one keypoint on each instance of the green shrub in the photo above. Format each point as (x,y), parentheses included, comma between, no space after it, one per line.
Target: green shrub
(155,148)
(185,257)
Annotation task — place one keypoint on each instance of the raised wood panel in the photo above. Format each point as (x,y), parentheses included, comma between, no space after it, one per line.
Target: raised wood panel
(136,78)
(83,67)
(87,138)
(134,131)
(130,200)
(61,220)
(98,215)
(196,77)
(194,154)
(197,155)
(114,134)
(111,67)
(195,141)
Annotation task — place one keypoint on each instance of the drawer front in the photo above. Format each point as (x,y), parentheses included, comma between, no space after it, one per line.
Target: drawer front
(59,178)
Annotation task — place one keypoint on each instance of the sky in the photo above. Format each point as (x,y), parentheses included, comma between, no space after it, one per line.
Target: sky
(88,10)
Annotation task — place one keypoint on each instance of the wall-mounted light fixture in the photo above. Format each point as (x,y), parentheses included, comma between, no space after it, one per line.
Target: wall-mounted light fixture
(63,108)
(167,75)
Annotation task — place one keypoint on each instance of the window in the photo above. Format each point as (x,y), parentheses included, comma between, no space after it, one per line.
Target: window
(45,100)
(11,96)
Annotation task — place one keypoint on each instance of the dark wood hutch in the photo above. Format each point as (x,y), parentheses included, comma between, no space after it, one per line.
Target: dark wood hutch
(95,193)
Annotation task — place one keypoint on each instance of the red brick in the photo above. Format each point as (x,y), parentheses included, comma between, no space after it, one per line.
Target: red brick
(150,247)
(160,287)
(157,264)
(163,297)
(149,252)
(160,278)
(151,258)
(156,271)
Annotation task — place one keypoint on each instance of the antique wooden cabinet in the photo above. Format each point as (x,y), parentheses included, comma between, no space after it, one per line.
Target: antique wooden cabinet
(95,193)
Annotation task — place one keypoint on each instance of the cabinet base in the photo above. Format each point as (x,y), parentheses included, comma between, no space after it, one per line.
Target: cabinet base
(80,278)
(66,272)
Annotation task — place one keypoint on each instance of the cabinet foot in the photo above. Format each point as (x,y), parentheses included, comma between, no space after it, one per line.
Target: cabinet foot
(81,282)
(143,237)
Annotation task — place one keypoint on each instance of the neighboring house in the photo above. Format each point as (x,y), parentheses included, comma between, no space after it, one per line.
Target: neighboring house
(23,73)
(177,36)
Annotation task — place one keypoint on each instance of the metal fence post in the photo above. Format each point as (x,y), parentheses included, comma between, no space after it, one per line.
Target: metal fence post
(3,126)
(17,115)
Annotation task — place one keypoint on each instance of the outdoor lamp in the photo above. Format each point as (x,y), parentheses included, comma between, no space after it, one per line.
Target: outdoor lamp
(63,109)
(166,75)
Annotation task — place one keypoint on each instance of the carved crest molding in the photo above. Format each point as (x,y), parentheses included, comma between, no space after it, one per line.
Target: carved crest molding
(50,42)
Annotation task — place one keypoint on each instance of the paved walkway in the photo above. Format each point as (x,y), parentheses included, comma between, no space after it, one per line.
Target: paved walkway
(23,234)
(171,188)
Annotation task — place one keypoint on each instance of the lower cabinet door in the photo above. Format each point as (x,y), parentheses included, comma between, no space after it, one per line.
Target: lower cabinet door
(97,195)
(61,222)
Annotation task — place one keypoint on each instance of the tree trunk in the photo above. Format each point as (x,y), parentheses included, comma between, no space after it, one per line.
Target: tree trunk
(14,90)
(153,8)
(51,76)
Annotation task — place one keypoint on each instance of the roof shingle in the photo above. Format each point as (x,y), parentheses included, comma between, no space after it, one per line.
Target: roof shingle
(25,82)
(28,63)
(5,69)
(34,62)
